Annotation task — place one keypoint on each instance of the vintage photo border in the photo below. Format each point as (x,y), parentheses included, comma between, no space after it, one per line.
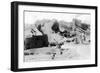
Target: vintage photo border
(14,35)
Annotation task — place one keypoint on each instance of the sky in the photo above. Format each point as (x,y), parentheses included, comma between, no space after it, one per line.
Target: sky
(32,17)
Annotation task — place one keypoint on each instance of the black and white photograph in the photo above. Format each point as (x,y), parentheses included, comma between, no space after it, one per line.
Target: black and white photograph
(50,36)
(53,36)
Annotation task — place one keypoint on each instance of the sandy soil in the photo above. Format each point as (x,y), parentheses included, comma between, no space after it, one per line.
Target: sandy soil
(70,52)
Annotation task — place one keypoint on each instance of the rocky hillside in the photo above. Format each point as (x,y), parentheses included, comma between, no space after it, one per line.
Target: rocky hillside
(58,31)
